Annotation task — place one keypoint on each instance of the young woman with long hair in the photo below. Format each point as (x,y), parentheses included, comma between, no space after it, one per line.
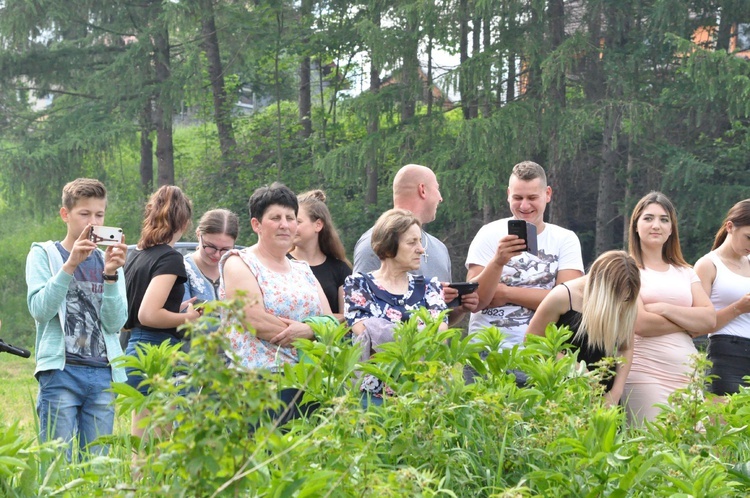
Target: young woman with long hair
(154,278)
(600,309)
(318,243)
(725,275)
(673,307)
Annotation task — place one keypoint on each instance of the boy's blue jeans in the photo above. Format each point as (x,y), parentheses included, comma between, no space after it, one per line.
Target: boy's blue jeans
(74,401)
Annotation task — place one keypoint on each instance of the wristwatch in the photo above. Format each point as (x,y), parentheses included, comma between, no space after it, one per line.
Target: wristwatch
(110,278)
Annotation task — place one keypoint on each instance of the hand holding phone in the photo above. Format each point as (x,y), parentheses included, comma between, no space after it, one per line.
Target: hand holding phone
(463,288)
(526,231)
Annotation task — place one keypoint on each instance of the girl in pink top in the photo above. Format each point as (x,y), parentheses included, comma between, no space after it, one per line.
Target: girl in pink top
(673,307)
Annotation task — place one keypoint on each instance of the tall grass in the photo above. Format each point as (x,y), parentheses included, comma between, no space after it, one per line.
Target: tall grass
(18,390)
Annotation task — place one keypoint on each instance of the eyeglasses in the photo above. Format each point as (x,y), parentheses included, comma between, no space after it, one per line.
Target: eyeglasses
(212,249)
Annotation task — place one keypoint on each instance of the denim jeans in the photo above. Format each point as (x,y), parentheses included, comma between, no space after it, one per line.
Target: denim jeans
(139,336)
(76,401)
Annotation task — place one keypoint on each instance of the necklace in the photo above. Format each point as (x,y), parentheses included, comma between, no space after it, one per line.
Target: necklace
(736,265)
(424,246)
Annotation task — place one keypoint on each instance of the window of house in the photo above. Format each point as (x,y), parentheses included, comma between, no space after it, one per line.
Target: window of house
(743,36)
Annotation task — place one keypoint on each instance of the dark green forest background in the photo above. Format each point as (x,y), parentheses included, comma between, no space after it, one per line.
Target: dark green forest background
(613,97)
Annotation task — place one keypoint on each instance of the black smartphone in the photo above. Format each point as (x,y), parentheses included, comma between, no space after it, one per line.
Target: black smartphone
(525,231)
(462,288)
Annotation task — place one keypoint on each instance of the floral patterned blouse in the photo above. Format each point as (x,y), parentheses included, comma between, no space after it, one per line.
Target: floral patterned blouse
(292,295)
(360,303)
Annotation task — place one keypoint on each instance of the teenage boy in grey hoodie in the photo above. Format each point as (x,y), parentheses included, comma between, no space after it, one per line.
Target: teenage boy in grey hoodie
(76,294)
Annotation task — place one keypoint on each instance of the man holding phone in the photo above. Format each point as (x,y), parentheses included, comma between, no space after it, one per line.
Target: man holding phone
(512,280)
(416,189)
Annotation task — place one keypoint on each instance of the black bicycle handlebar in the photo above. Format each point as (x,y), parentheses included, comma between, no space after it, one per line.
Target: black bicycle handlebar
(8,348)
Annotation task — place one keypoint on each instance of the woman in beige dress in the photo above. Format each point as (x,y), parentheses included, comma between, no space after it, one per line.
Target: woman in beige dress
(673,307)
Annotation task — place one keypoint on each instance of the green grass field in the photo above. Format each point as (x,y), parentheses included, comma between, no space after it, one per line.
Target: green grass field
(18,390)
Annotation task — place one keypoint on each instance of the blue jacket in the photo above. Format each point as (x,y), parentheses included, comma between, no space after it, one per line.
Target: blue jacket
(47,289)
(197,285)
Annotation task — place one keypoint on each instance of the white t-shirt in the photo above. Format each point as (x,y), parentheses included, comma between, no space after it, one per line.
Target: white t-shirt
(559,249)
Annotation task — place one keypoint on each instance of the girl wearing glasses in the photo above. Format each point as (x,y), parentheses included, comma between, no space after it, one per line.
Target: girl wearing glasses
(217,232)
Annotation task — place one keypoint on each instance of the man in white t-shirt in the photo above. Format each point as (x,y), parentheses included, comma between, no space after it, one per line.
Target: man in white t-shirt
(513,282)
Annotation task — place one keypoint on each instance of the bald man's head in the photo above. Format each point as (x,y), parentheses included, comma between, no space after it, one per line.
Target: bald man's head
(416,188)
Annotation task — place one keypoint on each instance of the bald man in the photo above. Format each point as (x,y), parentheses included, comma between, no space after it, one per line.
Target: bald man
(415,188)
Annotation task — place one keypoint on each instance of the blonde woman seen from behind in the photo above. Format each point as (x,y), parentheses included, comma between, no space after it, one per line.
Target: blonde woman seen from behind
(600,309)
(725,275)
(673,307)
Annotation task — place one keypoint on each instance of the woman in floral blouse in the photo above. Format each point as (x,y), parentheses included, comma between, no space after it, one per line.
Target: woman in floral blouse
(281,293)
(391,294)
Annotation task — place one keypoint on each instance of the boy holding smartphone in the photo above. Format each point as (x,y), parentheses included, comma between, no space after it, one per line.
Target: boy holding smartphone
(76,295)
(512,281)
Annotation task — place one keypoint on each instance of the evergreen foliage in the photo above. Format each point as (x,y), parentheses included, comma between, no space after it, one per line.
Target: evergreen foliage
(613,98)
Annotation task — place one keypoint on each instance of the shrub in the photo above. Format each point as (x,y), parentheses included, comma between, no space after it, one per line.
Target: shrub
(437,436)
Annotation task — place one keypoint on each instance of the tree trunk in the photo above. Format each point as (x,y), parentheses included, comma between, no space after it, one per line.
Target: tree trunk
(510,89)
(476,34)
(463,83)
(558,211)
(629,171)
(617,31)
(428,94)
(724,34)
(410,80)
(277,85)
(222,105)
(305,98)
(371,167)
(556,16)
(305,101)
(606,200)
(147,149)
(487,71)
(533,63)
(163,110)
(593,82)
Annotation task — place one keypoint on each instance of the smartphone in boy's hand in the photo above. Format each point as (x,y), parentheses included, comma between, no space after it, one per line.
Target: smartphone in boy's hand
(105,236)
(525,231)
